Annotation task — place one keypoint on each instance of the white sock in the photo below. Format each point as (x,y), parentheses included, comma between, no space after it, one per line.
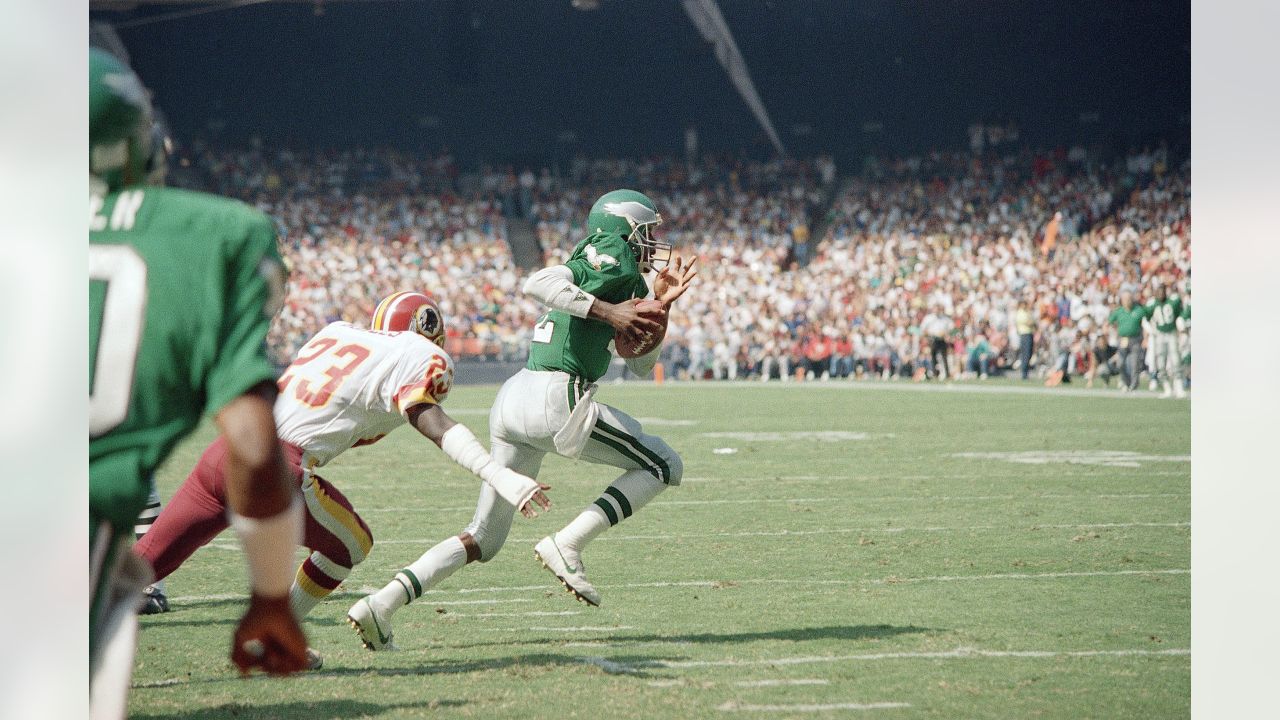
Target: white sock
(422,574)
(306,591)
(630,492)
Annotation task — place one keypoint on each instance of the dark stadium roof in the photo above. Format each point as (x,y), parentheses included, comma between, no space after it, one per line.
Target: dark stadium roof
(540,78)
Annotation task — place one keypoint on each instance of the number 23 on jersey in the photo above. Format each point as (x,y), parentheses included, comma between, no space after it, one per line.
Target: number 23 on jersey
(313,386)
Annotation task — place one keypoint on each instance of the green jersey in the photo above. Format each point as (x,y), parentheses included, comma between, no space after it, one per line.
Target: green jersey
(182,287)
(1128,322)
(1164,315)
(604,265)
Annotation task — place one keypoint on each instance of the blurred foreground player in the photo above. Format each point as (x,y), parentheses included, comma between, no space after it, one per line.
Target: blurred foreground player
(347,387)
(182,287)
(593,300)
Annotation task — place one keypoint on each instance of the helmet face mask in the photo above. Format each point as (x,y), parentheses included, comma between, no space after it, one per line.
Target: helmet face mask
(410,312)
(651,253)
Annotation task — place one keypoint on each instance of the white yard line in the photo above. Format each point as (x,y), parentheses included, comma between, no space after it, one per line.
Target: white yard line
(965,388)
(733,706)
(956,654)
(836,531)
(868,581)
(828,500)
(427,542)
(430,597)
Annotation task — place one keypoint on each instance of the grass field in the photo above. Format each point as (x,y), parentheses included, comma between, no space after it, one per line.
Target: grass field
(847,560)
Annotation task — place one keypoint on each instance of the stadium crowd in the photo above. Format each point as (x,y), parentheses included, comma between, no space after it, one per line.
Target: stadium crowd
(940,265)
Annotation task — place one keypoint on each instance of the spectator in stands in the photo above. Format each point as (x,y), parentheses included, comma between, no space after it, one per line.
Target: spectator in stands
(979,361)
(1025,325)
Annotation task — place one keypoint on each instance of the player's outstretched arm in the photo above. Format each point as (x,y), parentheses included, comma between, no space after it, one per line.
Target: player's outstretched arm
(463,448)
(266,513)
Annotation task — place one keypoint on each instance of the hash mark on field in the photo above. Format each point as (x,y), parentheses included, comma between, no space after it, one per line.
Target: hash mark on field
(610,666)
(962,653)
(825,707)
(774,683)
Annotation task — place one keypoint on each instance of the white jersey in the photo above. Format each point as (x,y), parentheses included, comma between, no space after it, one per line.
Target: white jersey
(350,386)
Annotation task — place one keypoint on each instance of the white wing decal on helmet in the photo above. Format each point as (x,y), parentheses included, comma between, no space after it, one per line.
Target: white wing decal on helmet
(634,212)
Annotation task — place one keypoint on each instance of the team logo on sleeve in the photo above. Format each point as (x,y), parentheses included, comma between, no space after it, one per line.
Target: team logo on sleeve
(598,259)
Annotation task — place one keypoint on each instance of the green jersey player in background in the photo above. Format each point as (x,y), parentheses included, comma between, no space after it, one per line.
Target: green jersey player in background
(182,287)
(549,406)
(1164,315)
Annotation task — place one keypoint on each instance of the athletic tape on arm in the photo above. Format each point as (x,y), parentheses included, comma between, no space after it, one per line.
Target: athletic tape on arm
(553,286)
(462,447)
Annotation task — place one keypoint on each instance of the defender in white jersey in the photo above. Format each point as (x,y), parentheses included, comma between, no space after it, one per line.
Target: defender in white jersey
(347,387)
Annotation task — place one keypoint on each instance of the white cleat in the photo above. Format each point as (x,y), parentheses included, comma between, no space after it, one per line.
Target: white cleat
(372,625)
(315,660)
(567,566)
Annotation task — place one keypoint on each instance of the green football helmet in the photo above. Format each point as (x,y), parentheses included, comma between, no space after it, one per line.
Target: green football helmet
(120,120)
(633,216)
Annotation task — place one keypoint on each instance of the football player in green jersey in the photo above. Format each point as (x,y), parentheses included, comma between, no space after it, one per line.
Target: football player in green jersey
(182,287)
(1164,313)
(549,406)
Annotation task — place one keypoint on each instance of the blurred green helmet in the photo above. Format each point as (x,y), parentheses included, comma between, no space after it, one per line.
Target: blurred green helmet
(632,215)
(120,122)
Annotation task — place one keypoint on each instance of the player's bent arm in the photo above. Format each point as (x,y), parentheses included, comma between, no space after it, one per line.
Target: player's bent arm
(461,445)
(553,286)
(265,509)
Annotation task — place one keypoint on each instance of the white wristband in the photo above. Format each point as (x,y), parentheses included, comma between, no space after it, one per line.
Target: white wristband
(462,447)
(269,545)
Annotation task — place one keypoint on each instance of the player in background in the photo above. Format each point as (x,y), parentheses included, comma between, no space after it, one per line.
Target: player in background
(182,287)
(1164,315)
(549,407)
(347,387)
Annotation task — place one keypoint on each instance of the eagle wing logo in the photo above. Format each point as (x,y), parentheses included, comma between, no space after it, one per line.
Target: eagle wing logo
(598,259)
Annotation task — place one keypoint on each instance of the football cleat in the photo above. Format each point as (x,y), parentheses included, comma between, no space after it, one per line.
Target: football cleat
(154,601)
(567,566)
(372,625)
(315,660)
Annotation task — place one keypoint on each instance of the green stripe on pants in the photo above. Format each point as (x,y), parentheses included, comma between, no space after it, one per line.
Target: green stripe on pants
(608,510)
(653,458)
(632,455)
(623,502)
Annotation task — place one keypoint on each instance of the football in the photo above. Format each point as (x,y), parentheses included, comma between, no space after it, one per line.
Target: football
(627,348)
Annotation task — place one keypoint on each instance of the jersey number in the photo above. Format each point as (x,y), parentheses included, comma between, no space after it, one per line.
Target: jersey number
(543,330)
(123,312)
(1164,314)
(346,359)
